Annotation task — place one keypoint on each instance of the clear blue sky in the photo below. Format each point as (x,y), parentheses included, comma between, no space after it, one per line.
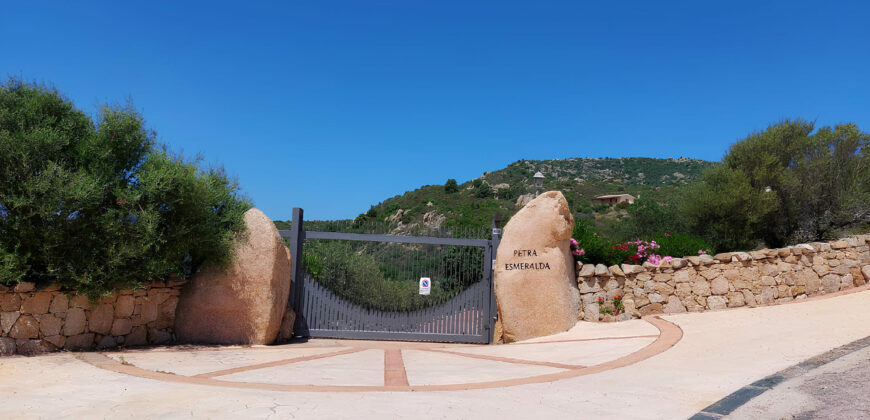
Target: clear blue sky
(336,105)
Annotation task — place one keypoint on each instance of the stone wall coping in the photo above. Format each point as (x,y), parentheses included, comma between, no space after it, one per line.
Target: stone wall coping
(36,319)
(725,280)
(600,270)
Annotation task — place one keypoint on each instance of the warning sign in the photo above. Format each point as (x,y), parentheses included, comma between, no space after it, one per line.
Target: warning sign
(425,285)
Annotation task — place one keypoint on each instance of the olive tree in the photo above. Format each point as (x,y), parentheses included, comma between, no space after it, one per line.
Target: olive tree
(94,204)
(785,184)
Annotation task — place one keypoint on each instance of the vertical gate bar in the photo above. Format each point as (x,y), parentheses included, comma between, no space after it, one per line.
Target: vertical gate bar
(482,302)
(297,291)
(483,310)
(307,301)
(332,311)
(340,306)
(453,318)
(466,320)
(321,308)
(486,280)
(493,305)
(314,305)
(344,307)
(475,322)
(311,304)
(357,315)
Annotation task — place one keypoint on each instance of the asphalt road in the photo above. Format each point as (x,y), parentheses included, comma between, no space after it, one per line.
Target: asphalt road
(838,390)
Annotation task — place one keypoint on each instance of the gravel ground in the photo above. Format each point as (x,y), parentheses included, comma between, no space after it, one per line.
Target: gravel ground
(838,390)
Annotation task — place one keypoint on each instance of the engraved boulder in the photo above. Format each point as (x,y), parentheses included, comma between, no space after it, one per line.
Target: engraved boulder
(535,284)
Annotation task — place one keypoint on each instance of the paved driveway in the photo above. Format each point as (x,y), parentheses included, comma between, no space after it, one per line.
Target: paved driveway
(670,367)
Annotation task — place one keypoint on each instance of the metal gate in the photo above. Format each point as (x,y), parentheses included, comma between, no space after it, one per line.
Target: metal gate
(468,317)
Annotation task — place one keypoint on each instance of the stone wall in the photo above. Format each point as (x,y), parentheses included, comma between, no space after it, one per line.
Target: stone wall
(39,320)
(728,280)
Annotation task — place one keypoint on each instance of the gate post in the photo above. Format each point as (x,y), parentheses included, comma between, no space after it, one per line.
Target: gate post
(297,289)
(492,252)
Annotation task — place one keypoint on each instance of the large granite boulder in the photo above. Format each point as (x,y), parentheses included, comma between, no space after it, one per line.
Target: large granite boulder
(535,285)
(246,303)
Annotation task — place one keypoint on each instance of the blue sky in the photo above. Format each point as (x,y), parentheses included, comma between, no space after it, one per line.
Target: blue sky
(336,105)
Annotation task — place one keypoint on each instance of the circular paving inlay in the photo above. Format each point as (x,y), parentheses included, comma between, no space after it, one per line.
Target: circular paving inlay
(366,366)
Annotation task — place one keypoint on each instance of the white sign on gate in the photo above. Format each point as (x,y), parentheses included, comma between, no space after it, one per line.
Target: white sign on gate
(425,285)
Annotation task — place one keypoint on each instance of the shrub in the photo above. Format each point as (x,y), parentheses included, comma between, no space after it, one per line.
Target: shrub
(649,218)
(95,206)
(596,250)
(600,207)
(590,248)
(483,191)
(680,245)
(11,267)
(450,186)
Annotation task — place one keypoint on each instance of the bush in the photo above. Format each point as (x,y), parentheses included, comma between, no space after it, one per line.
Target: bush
(590,248)
(95,206)
(596,250)
(680,245)
(601,207)
(11,267)
(483,191)
(648,219)
(450,186)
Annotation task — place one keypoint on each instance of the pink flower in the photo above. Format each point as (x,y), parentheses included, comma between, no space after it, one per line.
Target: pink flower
(668,258)
(574,242)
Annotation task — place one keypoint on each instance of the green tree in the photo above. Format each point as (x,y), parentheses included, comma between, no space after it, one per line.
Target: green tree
(726,209)
(95,205)
(450,186)
(834,180)
(811,185)
(769,160)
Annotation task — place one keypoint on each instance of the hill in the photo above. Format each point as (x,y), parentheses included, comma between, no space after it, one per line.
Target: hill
(473,204)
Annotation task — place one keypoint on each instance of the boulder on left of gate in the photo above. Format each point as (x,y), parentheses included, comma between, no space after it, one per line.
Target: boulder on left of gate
(247,302)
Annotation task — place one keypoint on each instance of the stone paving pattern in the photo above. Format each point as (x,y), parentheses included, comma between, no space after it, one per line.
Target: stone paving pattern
(349,365)
(718,353)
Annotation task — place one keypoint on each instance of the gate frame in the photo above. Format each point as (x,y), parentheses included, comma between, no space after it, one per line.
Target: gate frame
(298,235)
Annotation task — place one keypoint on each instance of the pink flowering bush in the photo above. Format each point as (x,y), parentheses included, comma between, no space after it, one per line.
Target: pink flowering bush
(576,251)
(589,248)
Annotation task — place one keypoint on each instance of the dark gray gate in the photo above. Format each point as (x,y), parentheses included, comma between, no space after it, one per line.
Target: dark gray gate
(468,317)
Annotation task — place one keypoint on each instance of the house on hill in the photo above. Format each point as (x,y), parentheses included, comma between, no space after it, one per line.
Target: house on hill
(615,199)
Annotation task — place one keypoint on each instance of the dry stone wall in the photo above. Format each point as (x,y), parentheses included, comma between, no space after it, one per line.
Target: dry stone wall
(728,280)
(35,320)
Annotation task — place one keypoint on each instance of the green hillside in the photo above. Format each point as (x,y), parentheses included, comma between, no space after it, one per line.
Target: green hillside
(473,204)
